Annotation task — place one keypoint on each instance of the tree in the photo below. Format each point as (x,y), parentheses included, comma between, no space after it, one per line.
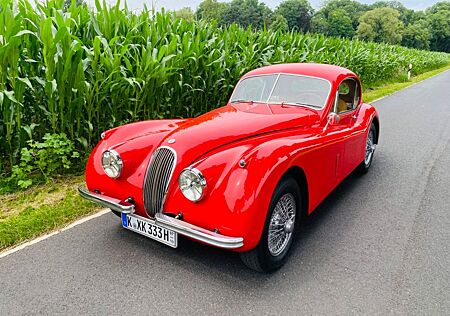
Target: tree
(380,25)
(297,13)
(210,10)
(185,13)
(246,13)
(320,24)
(438,17)
(279,23)
(407,16)
(340,24)
(321,20)
(417,35)
(439,6)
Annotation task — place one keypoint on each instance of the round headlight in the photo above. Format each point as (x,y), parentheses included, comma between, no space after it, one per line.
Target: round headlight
(112,163)
(192,183)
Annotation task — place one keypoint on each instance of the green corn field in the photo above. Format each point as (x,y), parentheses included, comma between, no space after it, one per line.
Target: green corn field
(81,70)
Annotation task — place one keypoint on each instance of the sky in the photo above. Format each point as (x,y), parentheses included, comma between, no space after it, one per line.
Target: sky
(177,4)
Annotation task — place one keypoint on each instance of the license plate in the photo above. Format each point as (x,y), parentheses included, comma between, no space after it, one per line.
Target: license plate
(149,228)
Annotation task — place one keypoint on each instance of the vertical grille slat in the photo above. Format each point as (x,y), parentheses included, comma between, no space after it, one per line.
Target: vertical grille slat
(157,179)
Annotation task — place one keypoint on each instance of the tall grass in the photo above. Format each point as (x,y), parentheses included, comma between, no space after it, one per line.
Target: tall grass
(81,71)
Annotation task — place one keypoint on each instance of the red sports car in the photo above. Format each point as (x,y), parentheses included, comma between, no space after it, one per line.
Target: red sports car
(244,176)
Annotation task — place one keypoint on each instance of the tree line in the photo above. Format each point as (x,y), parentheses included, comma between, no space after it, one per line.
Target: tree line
(383,21)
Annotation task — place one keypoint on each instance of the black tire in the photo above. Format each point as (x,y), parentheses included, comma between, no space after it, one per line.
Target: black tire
(118,214)
(365,165)
(260,258)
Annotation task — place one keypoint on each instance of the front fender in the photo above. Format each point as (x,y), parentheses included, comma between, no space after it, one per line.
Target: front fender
(237,198)
(135,143)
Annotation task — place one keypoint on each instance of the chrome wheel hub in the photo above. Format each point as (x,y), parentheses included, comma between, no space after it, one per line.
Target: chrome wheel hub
(281,224)
(289,227)
(370,147)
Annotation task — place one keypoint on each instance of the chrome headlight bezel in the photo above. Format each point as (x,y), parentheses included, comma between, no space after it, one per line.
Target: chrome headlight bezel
(112,163)
(199,181)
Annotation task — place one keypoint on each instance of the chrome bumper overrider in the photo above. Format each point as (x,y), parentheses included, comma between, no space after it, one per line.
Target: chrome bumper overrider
(179,226)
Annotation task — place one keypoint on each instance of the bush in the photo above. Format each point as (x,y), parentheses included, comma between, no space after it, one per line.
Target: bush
(41,160)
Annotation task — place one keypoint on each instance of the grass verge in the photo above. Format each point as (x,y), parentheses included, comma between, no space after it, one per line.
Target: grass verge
(41,209)
(384,90)
(47,207)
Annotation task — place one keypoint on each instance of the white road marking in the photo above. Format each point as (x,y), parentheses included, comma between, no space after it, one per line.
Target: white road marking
(388,95)
(41,238)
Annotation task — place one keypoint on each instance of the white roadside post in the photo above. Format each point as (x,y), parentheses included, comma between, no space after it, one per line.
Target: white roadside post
(409,71)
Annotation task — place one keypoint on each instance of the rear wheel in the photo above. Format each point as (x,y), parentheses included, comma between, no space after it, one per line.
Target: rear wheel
(370,149)
(283,218)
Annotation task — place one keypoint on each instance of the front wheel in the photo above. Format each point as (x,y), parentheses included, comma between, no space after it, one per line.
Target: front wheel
(283,217)
(370,149)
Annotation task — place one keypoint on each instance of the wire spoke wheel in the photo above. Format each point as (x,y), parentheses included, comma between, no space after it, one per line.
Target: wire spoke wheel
(280,228)
(370,147)
(282,224)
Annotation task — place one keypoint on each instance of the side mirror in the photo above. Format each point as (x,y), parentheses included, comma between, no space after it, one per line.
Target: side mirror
(332,119)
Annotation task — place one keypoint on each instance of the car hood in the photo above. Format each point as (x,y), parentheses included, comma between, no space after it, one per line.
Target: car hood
(193,138)
(197,136)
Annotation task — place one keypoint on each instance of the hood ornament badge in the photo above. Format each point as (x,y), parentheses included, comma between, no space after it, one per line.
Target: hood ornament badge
(171,141)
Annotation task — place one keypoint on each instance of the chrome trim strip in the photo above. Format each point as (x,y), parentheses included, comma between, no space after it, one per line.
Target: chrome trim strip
(198,233)
(106,201)
(273,88)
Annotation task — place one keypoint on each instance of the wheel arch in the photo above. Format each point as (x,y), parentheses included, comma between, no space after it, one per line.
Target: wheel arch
(376,122)
(299,176)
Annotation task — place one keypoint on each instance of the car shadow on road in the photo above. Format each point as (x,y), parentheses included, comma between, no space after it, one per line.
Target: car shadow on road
(228,262)
(226,268)
(329,204)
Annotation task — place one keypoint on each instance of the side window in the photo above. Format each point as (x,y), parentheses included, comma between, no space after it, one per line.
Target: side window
(357,95)
(348,96)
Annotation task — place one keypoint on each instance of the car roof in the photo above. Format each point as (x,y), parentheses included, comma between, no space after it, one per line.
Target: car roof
(324,71)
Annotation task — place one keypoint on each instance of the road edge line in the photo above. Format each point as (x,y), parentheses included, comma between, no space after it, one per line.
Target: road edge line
(411,85)
(31,242)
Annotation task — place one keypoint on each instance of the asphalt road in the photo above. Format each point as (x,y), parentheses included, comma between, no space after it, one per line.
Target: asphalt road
(380,244)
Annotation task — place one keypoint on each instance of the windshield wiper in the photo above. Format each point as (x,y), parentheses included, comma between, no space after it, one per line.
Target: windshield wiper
(241,101)
(301,103)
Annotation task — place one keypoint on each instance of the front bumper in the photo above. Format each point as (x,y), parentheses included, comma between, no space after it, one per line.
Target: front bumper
(177,225)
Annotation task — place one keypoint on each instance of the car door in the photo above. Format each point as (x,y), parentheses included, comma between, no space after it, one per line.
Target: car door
(342,128)
(349,97)
(325,162)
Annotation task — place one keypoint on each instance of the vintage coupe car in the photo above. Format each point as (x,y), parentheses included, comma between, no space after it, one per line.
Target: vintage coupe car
(243,176)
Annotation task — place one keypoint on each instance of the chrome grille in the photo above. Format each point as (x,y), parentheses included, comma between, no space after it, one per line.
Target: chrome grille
(157,179)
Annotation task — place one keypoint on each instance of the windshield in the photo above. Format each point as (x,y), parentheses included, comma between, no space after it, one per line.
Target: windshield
(283,88)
